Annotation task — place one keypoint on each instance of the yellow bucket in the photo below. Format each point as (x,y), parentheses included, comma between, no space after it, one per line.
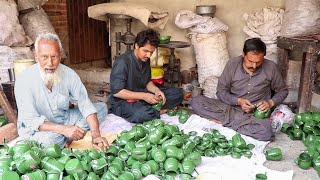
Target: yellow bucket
(20,65)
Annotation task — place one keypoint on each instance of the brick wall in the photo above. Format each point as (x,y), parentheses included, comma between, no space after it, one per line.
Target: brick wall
(57,12)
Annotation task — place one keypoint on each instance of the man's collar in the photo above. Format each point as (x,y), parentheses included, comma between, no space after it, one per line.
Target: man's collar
(140,62)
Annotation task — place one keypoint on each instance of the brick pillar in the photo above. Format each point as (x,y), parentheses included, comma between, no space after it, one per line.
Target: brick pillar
(57,12)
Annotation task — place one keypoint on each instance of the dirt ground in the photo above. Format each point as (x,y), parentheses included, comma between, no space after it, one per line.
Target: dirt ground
(291,150)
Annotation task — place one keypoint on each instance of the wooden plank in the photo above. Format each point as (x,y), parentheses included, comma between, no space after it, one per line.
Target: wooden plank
(307,81)
(5,105)
(283,63)
(78,31)
(299,44)
(8,132)
(88,35)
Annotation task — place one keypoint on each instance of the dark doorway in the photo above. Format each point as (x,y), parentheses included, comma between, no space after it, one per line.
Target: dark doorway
(88,38)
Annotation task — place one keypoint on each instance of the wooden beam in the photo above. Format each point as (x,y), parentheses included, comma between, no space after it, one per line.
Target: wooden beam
(5,105)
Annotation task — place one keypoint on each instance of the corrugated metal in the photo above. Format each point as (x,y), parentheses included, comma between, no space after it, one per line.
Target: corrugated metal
(88,38)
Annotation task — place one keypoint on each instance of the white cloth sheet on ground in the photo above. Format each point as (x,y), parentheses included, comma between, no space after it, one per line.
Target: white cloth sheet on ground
(224,167)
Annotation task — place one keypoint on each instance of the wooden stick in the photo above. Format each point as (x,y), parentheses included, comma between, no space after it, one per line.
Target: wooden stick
(5,105)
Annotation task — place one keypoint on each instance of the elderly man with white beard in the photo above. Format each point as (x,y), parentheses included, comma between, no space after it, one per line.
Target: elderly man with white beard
(43,93)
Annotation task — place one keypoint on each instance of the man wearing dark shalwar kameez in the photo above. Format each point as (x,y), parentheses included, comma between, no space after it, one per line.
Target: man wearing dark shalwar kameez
(246,82)
(132,91)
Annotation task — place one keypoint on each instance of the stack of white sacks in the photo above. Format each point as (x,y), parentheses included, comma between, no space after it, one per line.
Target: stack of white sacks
(208,38)
(18,32)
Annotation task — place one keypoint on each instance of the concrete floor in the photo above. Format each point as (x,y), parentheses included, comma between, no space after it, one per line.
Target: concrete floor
(291,150)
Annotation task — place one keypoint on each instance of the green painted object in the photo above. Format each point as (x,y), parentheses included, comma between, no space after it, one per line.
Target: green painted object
(3,121)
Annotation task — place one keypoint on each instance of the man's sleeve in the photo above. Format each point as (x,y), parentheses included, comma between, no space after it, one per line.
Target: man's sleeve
(279,87)
(29,118)
(224,86)
(118,77)
(79,94)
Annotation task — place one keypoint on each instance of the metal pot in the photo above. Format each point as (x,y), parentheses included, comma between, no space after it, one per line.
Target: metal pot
(206,10)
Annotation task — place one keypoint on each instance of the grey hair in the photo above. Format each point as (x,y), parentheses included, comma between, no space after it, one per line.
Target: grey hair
(48,37)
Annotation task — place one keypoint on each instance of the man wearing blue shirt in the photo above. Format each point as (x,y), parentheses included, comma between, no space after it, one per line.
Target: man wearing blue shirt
(43,93)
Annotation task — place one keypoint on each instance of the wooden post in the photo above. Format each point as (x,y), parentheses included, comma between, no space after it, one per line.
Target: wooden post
(307,81)
(5,105)
(9,131)
(283,63)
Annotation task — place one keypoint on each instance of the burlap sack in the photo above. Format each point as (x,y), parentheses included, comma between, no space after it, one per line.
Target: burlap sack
(301,18)
(37,22)
(27,4)
(11,31)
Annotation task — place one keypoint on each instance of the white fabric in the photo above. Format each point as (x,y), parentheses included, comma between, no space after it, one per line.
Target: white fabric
(218,166)
(265,24)
(115,124)
(199,24)
(140,11)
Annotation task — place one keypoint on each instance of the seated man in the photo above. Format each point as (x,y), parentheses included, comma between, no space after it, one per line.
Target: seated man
(246,82)
(132,91)
(43,93)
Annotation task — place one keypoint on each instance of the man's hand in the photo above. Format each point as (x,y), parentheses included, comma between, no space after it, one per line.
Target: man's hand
(73,132)
(159,93)
(100,143)
(265,105)
(246,105)
(151,98)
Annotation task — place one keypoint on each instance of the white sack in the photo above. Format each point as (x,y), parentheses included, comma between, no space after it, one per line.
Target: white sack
(211,54)
(36,23)
(11,31)
(265,24)
(210,86)
(301,18)
(199,24)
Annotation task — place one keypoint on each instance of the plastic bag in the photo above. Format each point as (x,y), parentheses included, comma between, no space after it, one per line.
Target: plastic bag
(281,114)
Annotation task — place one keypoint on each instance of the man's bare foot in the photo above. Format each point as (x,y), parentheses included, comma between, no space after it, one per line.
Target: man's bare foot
(216,121)
(162,111)
(67,145)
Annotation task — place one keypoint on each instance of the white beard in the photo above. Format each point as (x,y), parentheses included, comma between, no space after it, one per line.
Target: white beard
(51,79)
